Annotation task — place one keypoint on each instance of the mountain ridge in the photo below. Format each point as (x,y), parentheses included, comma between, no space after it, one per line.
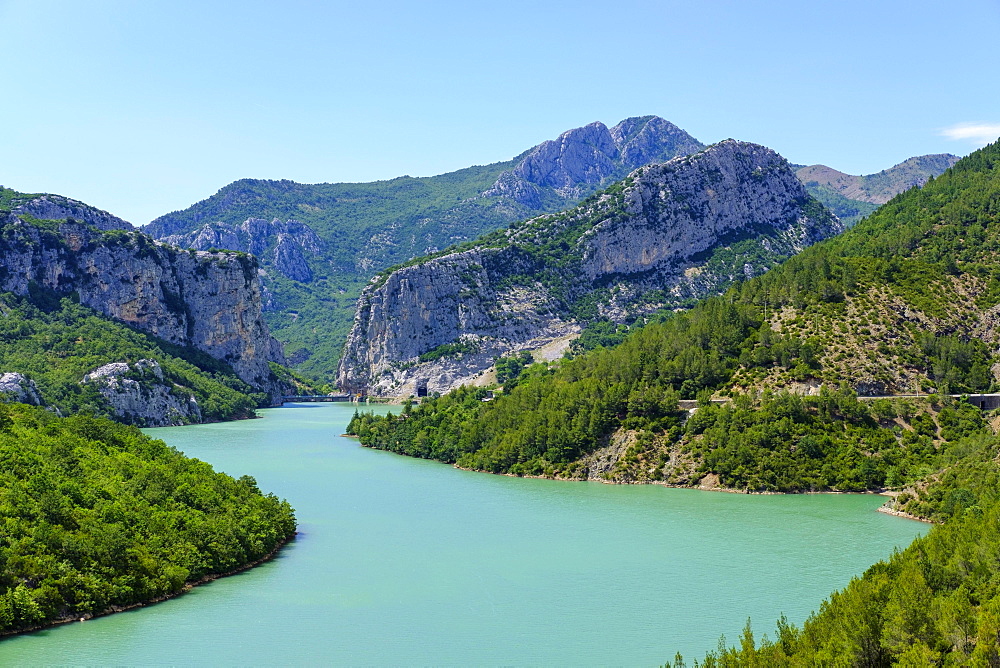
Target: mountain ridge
(667,234)
(366,227)
(200,305)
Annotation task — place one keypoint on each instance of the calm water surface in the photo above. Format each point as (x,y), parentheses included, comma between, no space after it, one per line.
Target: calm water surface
(402,561)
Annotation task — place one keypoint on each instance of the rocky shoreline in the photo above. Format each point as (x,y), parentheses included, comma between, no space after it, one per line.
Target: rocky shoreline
(884,508)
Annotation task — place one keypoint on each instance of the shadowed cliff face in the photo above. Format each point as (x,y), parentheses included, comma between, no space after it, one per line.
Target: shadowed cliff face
(667,234)
(210,301)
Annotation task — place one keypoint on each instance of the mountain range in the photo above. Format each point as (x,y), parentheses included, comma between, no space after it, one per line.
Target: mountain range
(320,244)
(666,236)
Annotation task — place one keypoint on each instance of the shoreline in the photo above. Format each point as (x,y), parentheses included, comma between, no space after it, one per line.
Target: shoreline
(188,586)
(884,508)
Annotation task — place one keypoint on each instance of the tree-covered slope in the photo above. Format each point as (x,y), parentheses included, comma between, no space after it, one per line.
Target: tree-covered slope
(96,517)
(936,603)
(54,344)
(319,244)
(906,298)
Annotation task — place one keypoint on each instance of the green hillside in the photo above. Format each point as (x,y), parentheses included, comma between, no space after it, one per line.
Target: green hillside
(57,342)
(97,516)
(905,299)
(901,301)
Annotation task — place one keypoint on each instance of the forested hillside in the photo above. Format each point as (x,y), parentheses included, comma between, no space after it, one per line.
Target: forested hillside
(663,237)
(905,299)
(56,343)
(908,298)
(97,517)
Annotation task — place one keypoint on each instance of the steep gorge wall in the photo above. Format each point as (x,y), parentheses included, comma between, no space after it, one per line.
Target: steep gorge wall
(209,301)
(668,233)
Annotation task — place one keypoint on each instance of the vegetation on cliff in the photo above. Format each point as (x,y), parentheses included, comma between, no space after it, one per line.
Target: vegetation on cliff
(75,279)
(56,342)
(369,226)
(96,516)
(663,236)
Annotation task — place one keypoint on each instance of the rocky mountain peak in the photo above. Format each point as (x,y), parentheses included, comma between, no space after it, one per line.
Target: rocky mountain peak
(645,139)
(668,234)
(592,155)
(287,246)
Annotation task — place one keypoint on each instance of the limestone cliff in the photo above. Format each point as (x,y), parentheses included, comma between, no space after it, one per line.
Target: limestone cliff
(18,387)
(57,207)
(336,236)
(667,234)
(579,159)
(287,246)
(209,301)
(139,394)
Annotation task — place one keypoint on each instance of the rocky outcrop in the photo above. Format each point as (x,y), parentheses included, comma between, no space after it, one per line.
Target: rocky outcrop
(589,156)
(57,207)
(357,229)
(19,388)
(287,246)
(209,301)
(667,234)
(139,394)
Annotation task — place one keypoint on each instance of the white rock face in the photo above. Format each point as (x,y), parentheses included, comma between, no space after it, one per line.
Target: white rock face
(140,395)
(19,388)
(644,245)
(210,301)
(57,207)
(590,155)
(288,244)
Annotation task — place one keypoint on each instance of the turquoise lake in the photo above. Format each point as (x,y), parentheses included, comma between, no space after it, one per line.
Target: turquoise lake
(408,562)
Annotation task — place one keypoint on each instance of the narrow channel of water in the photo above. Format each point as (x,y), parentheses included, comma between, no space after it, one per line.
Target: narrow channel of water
(409,562)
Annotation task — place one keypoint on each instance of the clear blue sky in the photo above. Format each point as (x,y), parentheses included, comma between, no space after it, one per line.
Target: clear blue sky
(145,107)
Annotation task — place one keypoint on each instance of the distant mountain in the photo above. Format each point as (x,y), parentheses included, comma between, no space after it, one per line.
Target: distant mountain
(319,244)
(854,197)
(667,235)
(905,302)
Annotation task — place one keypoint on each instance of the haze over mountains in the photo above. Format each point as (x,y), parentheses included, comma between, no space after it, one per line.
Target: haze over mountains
(854,197)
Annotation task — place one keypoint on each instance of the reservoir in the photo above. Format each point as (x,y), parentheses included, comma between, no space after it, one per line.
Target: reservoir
(402,561)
